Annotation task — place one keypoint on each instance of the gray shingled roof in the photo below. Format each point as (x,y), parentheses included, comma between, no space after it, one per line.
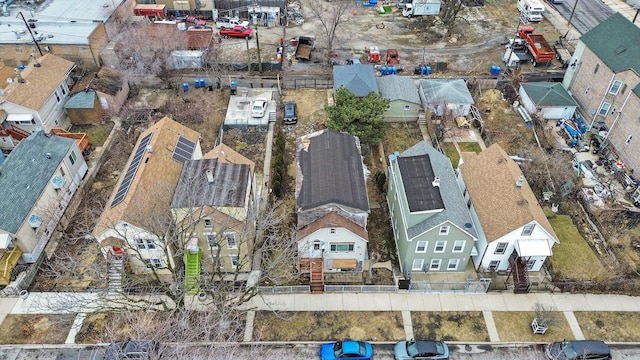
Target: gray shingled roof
(455,208)
(548,94)
(332,172)
(450,90)
(228,188)
(81,100)
(360,79)
(616,41)
(26,173)
(394,87)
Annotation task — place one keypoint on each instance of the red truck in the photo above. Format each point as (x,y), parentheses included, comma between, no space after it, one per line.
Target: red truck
(541,52)
(392,57)
(151,10)
(236,32)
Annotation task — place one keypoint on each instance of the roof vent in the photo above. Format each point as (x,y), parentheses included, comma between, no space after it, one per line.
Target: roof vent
(17,72)
(149,148)
(35,61)
(436,182)
(519,181)
(48,155)
(209,176)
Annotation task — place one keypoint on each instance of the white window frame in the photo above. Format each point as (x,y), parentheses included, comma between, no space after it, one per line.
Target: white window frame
(494,264)
(73,157)
(531,264)
(527,230)
(586,91)
(423,245)
(435,264)
(333,247)
(444,230)
(233,244)
(504,250)
(628,139)
(604,109)
(55,93)
(333,231)
(144,243)
(416,262)
(234,260)
(615,87)
(453,264)
(210,238)
(208,224)
(441,246)
(154,263)
(458,246)
(407,107)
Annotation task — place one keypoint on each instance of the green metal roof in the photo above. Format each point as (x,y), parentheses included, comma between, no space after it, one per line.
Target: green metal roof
(25,174)
(616,41)
(548,94)
(81,100)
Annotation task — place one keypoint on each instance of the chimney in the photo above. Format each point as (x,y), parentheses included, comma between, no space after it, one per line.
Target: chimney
(209,176)
(34,60)
(436,182)
(519,181)
(17,72)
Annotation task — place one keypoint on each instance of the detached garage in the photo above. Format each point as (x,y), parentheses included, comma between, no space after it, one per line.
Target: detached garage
(549,101)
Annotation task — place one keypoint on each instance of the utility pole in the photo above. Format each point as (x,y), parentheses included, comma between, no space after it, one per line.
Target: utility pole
(572,12)
(30,33)
(255,23)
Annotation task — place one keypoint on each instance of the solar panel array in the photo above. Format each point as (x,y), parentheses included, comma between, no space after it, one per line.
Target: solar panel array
(183,150)
(131,171)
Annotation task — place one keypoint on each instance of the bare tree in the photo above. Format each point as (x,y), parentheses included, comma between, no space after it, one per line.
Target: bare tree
(331,16)
(449,10)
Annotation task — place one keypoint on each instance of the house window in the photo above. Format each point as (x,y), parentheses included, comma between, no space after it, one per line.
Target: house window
(25,122)
(586,91)
(144,244)
(604,109)
(531,264)
(596,69)
(440,245)
(61,172)
(628,139)
(469,203)
(316,245)
(212,241)
(207,223)
(154,263)
(73,157)
(421,247)
(407,107)
(528,229)
(342,247)
(501,248)
(231,240)
(444,230)
(234,260)
(63,90)
(493,265)
(55,93)
(417,264)
(435,264)
(332,231)
(458,246)
(453,264)
(615,87)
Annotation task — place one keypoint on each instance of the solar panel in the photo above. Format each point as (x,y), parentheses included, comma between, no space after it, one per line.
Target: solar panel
(131,171)
(184,150)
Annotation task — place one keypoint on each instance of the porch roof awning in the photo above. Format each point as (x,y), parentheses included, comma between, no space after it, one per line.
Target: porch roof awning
(19,117)
(533,247)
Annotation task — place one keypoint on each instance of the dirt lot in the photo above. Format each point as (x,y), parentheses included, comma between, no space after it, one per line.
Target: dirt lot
(35,328)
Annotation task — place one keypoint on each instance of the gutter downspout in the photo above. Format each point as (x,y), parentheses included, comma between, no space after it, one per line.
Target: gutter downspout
(618,116)
(602,101)
(5,7)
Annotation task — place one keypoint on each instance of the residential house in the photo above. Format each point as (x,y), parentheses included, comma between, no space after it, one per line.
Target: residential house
(445,97)
(404,101)
(36,96)
(431,223)
(74,30)
(360,79)
(215,205)
(547,100)
(513,231)
(604,79)
(330,184)
(38,180)
(137,214)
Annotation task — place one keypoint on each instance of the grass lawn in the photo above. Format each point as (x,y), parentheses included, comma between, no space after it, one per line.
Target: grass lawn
(36,328)
(610,325)
(327,326)
(97,134)
(400,137)
(451,152)
(516,326)
(450,325)
(470,147)
(573,258)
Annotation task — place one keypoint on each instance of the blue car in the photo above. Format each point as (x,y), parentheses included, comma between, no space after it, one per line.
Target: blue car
(347,349)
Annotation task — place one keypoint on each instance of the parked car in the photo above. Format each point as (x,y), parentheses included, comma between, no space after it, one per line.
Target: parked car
(258,108)
(290,113)
(421,349)
(133,349)
(236,32)
(578,350)
(599,126)
(353,61)
(347,349)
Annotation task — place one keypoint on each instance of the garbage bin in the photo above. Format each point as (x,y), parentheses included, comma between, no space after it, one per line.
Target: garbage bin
(234,87)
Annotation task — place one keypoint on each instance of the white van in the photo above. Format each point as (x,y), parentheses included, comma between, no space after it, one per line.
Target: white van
(531,10)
